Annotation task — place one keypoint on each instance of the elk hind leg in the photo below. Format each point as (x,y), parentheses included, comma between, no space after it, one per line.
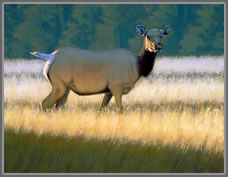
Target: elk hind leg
(55,95)
(63,100)
(105,101)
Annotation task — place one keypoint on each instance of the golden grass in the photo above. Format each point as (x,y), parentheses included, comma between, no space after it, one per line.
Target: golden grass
(186,129)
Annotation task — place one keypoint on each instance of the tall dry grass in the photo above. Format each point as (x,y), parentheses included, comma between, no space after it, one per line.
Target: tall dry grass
(182,110)
(185,128)
(33,90)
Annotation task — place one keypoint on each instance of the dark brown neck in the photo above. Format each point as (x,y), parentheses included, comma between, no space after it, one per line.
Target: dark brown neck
(145,62)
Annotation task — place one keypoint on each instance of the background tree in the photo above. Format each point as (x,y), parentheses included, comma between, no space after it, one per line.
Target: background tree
(206,33)
(80,27)
(39,29)
(13,16)
(107,32)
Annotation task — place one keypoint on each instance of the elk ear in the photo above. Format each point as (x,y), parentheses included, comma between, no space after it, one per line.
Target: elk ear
(165,30)
(141,30)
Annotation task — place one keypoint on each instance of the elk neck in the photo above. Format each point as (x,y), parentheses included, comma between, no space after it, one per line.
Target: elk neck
(145,61)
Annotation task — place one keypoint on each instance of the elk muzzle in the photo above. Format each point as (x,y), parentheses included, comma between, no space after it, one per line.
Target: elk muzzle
(158,47)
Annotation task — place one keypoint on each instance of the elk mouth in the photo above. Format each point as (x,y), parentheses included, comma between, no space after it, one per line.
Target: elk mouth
(159,47)
(155,47)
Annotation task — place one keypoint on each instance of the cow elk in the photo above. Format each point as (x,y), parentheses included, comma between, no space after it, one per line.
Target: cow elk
(110,72)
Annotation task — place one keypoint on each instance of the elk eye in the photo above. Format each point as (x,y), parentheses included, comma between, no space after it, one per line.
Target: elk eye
(148,37)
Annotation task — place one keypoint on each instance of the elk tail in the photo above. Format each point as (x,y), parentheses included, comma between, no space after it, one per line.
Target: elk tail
(45,56)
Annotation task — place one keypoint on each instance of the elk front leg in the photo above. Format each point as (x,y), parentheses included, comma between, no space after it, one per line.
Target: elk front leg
(105,101)
(117,93)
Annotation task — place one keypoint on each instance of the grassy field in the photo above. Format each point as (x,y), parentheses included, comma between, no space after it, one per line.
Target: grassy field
(173,123)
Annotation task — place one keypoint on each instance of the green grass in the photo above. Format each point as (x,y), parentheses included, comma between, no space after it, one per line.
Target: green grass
(28,153)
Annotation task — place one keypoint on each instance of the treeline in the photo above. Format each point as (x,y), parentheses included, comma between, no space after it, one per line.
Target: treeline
(198,29)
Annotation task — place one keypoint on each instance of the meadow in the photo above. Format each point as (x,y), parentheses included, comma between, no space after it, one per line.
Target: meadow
(173,122)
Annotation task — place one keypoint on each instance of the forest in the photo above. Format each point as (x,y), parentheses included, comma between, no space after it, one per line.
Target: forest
(198,29)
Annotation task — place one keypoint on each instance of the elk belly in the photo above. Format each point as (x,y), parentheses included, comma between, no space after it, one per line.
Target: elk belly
(89,82)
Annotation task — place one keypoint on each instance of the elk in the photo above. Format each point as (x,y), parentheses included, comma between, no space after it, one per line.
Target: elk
(109,72)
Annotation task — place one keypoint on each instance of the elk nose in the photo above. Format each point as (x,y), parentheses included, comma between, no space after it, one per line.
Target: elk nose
(159,46)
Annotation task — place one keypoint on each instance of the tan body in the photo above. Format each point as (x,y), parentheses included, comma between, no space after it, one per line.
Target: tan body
(113,72)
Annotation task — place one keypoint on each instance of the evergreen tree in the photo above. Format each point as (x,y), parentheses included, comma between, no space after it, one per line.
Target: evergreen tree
(13,15)
(80,27)
(206,36)
(107,34)
(39,30)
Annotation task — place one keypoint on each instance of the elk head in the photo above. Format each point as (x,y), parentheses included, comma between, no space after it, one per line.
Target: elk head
(152,37)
